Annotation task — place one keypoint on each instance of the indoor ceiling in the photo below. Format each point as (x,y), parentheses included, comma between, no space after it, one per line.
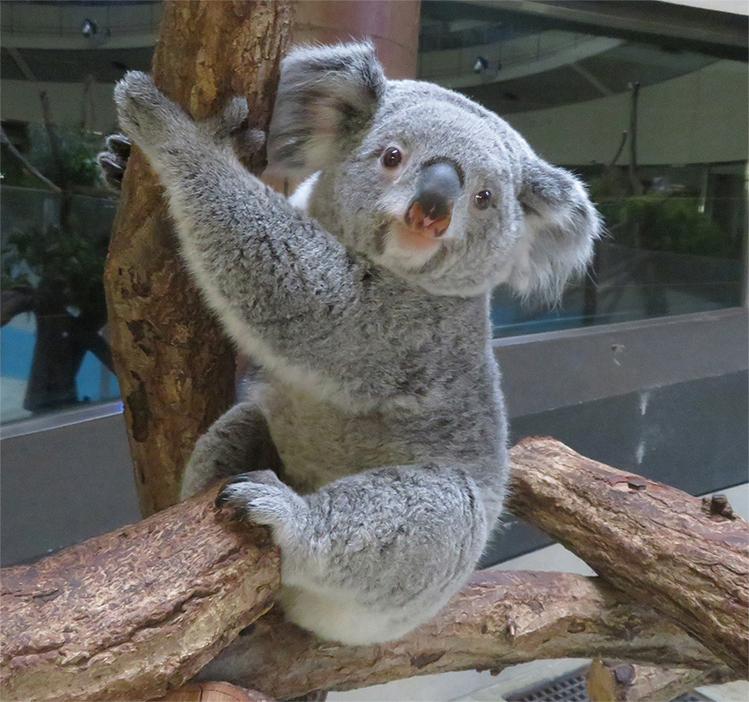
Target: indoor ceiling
(603,57)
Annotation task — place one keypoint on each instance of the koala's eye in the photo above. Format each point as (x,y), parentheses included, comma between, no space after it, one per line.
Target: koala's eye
(392,157)
(482,199)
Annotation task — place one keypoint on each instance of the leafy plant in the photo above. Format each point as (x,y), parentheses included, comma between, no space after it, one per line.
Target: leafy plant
(670,223)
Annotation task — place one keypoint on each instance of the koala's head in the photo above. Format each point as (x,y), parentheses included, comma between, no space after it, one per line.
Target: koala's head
(425,182)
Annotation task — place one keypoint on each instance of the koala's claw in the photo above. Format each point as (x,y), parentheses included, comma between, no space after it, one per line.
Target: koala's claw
(113,160)
(263,499)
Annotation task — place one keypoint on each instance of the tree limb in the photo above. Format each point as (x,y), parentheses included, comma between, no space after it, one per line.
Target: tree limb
(174,364)
(499,619)
(140,610)
(623,682)
(135,612)
(649,539)
(16,301)
(13,150)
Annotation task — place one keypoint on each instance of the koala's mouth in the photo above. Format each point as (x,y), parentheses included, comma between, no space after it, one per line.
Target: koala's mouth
(415,239)
(430,224)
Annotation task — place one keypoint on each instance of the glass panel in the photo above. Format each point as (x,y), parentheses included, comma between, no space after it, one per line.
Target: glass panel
(53,349)
(658,133)
(59,63)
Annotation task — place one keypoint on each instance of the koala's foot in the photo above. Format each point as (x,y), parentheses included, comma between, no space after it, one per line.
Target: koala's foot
(239,440)
(263,499)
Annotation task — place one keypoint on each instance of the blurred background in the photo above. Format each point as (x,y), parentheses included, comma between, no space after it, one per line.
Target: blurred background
(642,364)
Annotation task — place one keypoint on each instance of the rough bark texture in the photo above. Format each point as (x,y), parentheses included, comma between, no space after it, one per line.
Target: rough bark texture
(141,609)
(624,682)
(665,547)
(135,612)
(174,365)
(500,618)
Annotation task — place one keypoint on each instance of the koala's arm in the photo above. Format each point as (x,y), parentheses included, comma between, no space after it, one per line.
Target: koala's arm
(369,557)
(239,440)
(262,265)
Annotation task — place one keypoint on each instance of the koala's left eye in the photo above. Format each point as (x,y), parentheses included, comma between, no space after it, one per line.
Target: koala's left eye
(482,199)
(392,157)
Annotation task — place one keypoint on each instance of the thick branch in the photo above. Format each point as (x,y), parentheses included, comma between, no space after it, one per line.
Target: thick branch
(500,618)
(135,612)
(649,539)
(624,682)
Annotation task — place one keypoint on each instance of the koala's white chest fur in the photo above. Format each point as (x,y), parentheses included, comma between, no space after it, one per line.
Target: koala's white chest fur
(319,441)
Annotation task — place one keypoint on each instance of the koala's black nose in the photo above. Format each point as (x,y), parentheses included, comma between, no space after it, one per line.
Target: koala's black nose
(436,191)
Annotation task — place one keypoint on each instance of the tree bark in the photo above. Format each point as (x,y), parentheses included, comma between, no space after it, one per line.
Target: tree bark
(135,612)
(499,619)
(174,364)
(624,682)
(646,538)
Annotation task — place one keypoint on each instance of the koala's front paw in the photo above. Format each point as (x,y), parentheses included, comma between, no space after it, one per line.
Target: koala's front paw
(113,160)
(262,498)
(145,114)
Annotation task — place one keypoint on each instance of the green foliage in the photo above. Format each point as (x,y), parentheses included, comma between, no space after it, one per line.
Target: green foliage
(69,266)
(672,223)
(77,153)
(657,221)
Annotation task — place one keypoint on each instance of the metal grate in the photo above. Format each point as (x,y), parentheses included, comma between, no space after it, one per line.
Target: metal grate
(567,688)
(571,688)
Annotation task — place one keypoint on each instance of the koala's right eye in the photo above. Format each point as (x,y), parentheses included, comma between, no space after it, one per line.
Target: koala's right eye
(392,157)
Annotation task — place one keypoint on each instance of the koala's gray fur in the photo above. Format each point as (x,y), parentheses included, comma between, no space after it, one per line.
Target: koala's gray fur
(383,396)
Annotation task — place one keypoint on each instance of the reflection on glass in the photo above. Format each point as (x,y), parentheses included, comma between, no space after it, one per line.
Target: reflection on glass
(674,249)
(657,129)
(55,231)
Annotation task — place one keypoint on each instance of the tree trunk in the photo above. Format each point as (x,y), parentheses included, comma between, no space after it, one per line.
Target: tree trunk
(135,611)
(174,364)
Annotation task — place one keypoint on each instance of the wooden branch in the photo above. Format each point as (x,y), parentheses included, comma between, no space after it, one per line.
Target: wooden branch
(13,150)
(138,611)
(624,682)
(649,539)
(135,612)
(16,301)
(500,618)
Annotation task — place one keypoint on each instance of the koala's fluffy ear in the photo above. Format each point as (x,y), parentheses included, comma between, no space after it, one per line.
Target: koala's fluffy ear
(326,95)
(560,226)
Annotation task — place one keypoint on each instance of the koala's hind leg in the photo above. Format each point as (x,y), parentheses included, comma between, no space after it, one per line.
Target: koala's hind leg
(236,442)
(370,556)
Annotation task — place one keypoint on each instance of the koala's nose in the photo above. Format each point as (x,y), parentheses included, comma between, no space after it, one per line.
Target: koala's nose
(431,209)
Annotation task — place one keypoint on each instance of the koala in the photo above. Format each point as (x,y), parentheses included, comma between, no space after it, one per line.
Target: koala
(376,448)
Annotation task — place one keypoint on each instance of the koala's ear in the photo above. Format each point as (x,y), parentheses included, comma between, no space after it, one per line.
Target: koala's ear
(559,225)
(326,96)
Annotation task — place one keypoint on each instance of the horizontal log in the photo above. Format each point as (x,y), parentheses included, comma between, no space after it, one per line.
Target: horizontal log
(622,682)
(686,558)
(135,612)
(138,611)
(500,618)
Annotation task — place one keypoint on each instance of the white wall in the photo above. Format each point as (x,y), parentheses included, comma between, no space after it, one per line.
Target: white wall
(738,7)
(697,118)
